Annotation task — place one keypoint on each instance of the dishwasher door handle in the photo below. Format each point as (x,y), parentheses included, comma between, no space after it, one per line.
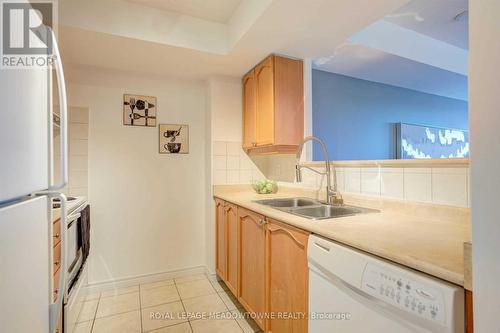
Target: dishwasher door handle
(322,246)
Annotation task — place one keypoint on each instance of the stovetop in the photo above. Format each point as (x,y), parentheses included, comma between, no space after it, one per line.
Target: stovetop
(72,203)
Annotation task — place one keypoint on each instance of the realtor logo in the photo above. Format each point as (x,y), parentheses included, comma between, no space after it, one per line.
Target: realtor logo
(26,33)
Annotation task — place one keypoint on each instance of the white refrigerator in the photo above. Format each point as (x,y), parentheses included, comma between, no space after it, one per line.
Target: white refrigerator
(26,189)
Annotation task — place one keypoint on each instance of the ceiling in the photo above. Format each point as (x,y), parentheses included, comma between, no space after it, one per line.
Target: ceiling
(419,46)
(99,34)
(373,65)
(435,18)
(212,10)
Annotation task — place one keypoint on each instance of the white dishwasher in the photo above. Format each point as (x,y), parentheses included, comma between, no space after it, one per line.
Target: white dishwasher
(353,292)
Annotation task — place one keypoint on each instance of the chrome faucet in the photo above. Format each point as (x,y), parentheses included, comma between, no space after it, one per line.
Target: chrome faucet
(333,196)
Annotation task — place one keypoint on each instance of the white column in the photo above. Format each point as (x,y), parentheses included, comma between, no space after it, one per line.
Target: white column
(484,115)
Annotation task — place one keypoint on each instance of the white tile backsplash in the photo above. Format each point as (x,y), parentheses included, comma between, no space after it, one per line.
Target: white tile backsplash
(445,186)
(352,180)
(78,191)
(78,131)
(340,173)
(246,163)
(370,181)
(231,165)
(78,115)
(78,179)
(449,186)
(245,176)
(78,163)
(234,148)
(418,184)
(79,147)
(233,162)
(78,152)
(233,176)
(392,183)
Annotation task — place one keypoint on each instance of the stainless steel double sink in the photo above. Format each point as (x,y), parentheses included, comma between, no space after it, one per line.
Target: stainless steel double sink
(313,209)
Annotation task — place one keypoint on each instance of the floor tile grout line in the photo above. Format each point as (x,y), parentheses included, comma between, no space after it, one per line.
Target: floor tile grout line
(183,306)
(189,321)
(125,293)
(95,313)
(161,328)
(116,314)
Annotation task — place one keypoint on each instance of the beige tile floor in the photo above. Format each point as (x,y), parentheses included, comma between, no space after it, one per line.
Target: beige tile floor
(190,304)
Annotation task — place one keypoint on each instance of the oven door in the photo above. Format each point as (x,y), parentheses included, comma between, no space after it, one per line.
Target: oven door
(73,248)
(74,303)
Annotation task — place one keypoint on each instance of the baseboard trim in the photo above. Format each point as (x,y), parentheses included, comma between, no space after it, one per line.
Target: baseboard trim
(145,278)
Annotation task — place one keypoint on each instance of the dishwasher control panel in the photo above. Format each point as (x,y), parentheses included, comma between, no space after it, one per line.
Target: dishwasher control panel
(403,292)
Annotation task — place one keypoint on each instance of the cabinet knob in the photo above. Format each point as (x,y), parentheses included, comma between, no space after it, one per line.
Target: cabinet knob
(262,222)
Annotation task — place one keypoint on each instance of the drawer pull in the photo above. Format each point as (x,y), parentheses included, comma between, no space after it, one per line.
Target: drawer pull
(324,247)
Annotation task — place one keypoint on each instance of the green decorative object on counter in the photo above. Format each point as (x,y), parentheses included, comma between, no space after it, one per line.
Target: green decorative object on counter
(265,186)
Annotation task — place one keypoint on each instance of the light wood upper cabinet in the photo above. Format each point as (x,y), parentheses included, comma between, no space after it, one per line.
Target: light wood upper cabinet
(287,277)
(220,234)
(249,110)
(231,216)
(273,106)
(264,83)
(252,263)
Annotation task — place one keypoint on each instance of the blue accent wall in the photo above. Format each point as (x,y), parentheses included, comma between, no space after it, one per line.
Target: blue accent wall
(356,118)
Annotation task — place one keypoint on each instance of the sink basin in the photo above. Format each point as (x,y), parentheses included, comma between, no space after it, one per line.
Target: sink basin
(313,209)
(288,202)
(328,212)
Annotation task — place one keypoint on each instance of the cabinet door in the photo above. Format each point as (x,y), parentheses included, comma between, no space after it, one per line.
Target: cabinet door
(287,277)
(249,110)
(252,263)
(220,236)
(264,83)
(231,215)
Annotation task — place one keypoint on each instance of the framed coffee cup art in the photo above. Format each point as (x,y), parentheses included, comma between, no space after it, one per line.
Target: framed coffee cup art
(174,139)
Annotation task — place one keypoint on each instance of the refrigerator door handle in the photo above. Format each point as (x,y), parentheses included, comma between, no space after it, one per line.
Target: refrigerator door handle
(55,309)
(63,106)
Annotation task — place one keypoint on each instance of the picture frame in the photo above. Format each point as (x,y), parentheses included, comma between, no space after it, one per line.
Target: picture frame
(173,139)
(139,110)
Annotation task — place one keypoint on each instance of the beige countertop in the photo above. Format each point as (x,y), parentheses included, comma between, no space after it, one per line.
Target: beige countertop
(428,238)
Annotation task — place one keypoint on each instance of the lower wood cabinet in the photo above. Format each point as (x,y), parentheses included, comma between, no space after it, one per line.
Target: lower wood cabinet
(231,222)
(252,264)
(264,264)
(220,235)
(469,315)
(287,276)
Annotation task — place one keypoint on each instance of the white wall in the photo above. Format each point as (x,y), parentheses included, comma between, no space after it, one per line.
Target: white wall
(225,108)
(484,118)
(148,210)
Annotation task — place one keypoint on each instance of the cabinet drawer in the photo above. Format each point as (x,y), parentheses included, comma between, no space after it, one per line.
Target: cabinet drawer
(56,235)
(59,325)
(56,285)
(57,257)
